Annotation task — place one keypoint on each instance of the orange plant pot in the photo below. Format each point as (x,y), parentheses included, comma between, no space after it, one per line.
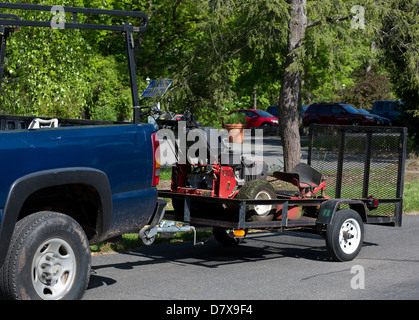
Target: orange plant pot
(235,132)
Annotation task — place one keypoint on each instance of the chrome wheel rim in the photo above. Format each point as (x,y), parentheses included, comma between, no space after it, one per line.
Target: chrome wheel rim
(53,269)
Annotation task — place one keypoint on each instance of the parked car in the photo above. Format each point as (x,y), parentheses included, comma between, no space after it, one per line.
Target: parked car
(383,121)
(258,118)
(274,110)
(388,109)
(337,114)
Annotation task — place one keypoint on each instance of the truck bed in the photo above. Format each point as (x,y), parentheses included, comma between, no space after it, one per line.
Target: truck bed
(12,122)
(121,150)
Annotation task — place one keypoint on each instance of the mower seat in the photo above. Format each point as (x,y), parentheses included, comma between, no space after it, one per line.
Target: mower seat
(302,176)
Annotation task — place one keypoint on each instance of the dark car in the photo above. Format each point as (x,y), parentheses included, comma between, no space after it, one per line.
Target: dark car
(274,110)
(337,114)
(258,118)
(389,109)
(383,121)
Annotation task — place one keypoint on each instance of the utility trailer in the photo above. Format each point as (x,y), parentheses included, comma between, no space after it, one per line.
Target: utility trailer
(362,166)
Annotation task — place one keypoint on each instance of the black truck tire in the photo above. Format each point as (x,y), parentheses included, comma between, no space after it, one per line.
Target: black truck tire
(344,237)
(258,189)
(48,259)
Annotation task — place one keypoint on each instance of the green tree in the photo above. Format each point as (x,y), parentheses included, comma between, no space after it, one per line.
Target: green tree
(222,54)
(66,73)
(339,25)
(399,41)
(235,63)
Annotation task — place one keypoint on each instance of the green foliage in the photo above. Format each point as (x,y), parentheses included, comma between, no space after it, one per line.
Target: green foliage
(221,54)
(44,80)
(399,41)
(235,118)
(369,86)
(62,73)
(110,95)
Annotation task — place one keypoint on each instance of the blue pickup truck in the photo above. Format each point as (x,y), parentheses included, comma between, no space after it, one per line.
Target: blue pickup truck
(63,189)
(66,184)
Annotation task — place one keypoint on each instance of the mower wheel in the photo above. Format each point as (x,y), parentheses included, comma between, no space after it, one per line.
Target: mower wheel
(258,190)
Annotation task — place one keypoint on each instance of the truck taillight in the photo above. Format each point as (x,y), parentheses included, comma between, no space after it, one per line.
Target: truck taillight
(156,159)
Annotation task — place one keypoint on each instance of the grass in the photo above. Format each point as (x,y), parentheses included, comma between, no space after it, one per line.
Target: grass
(411,197)
(411,187)
(130,241)
(165,174)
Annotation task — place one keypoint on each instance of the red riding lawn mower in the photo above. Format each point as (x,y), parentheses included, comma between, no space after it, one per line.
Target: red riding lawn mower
(231,176)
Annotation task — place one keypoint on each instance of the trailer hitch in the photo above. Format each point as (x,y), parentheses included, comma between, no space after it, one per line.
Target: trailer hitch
(157,225)
(148,234)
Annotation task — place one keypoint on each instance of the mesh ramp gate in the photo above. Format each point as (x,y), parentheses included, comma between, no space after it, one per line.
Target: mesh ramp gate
(358,162)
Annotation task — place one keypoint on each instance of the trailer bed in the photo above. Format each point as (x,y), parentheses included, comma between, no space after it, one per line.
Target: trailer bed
(361,164)
(237,221)
(364,172)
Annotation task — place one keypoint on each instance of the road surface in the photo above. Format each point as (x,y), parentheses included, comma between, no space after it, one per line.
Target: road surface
(267,266)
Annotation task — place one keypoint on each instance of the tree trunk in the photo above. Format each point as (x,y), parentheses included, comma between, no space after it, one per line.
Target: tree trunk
(290,94)
(255,96)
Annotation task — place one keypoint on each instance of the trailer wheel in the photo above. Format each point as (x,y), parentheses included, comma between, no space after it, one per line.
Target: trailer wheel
(225,237)
(344,237)
(145,238)
(48,259)
(258,190)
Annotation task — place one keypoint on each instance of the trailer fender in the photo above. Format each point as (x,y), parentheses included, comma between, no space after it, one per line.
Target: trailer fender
(328,209)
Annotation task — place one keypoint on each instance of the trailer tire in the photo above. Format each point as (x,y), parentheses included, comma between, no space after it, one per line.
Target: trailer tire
(258,189)
(345,235)
(48,258)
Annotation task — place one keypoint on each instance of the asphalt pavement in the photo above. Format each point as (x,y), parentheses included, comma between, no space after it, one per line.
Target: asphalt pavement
(266,266)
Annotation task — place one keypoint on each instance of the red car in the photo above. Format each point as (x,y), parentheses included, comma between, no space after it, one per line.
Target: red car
(258,118)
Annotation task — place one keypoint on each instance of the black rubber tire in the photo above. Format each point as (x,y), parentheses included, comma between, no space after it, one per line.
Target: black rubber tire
(226,237)
(250,190)
(340,249)
(30,233)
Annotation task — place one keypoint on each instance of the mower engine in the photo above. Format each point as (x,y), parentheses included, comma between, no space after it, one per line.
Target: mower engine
(200,177)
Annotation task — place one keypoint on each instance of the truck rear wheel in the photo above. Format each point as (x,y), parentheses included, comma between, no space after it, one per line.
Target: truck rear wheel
(48,259)
(258,190)
(344,237)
